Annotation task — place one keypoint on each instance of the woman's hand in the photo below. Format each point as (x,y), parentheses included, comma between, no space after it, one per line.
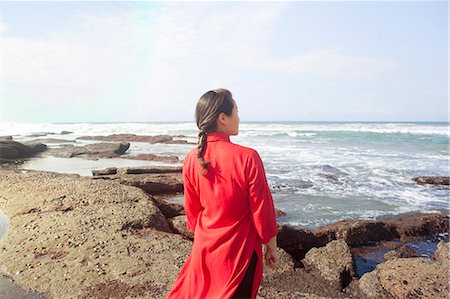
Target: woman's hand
(271,254)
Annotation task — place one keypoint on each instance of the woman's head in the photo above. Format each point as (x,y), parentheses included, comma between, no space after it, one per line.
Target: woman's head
(216,111)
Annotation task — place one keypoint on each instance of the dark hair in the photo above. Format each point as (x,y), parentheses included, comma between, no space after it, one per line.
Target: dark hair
(209,106)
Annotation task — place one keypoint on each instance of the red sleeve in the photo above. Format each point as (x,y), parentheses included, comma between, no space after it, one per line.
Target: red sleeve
(261,202)
(192,206)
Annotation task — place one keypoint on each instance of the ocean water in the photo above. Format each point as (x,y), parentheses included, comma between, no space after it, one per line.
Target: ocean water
(319,172)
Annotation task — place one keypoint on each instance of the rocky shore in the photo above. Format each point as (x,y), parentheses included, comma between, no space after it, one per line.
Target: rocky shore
(117,235)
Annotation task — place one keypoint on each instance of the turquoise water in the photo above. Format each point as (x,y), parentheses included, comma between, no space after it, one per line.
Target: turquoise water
(319,172)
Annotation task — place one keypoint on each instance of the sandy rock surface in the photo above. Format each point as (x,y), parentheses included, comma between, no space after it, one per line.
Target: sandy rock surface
(75,237)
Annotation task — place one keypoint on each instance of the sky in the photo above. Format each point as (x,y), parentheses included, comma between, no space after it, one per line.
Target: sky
(118,61)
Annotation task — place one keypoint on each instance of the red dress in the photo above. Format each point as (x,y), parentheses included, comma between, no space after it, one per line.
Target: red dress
(231,211)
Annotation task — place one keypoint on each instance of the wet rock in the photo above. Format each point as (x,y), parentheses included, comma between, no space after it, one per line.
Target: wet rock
(296,241)
(170,210)
(432,180)
(107,171)
(279,213)
(53,140)
(65,132)
(411,226)
(152,157)
(357,232)
(442,254)
(401,252)
(406,278)
(149,170)
(6,138)
(333,262)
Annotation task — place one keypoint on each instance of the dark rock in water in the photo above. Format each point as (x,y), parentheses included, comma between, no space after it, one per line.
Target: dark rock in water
(36,146)
(170,210)
(152,157)
(135,138)
(65,132)
(333,262)
(432,180)
(6,138)
(17,150)
(333,170)
(149,169)
(279,213)
(409,227)
(39,134)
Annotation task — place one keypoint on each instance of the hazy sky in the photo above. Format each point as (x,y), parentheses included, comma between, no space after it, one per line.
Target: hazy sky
(151,61)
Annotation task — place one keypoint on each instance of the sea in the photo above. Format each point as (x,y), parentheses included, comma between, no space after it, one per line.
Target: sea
(319,172)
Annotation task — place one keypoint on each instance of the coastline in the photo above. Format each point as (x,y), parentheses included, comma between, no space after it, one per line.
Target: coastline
(96,236)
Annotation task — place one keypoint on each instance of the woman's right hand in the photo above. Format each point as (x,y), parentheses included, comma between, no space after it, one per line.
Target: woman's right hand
(271,254)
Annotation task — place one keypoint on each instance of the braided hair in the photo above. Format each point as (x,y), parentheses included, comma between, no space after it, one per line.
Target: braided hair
(209,106)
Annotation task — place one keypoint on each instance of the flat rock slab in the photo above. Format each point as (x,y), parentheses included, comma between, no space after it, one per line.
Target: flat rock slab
(74,237)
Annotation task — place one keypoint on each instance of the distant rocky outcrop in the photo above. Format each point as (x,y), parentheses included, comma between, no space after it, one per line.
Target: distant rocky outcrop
(152,157)
(135,138)
(90,151)
(432,180)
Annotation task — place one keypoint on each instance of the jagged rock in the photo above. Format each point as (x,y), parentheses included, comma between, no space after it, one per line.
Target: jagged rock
(149,170)
(107,171)
(432,180)
(411,226)
(296,241)
(170,210)
(357,232)
(333,262)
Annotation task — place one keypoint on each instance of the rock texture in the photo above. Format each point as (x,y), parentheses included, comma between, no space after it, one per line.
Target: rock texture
(406,278)
(333,262)
(153,180)
(74,237)
(90,151)
(152,157)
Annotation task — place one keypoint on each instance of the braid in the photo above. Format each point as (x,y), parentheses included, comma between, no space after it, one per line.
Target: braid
(201,149)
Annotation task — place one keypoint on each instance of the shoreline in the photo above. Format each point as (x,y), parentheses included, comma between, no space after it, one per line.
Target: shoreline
(97,235)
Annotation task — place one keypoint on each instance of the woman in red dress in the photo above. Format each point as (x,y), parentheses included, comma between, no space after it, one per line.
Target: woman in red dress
(228,206)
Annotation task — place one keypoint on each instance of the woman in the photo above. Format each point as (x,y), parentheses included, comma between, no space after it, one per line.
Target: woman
(228,206)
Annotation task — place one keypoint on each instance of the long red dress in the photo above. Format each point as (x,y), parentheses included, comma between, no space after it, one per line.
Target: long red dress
(231,211)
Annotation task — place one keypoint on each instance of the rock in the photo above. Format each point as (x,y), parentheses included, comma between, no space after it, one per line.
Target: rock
(153,180)
(149,169)
(357,232)
(170,210)
(333,262)
(107,171)
(131,138)
(432,180)
(442,254)
(36,146)
(96,150)
(401,252)
(363,232)
(65,132)
(17,150)
(406,278)
(296,241)
(279,213)
(411,226)
(178,225)
(83,252)
(53,140)
(152,157)
(6,138)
